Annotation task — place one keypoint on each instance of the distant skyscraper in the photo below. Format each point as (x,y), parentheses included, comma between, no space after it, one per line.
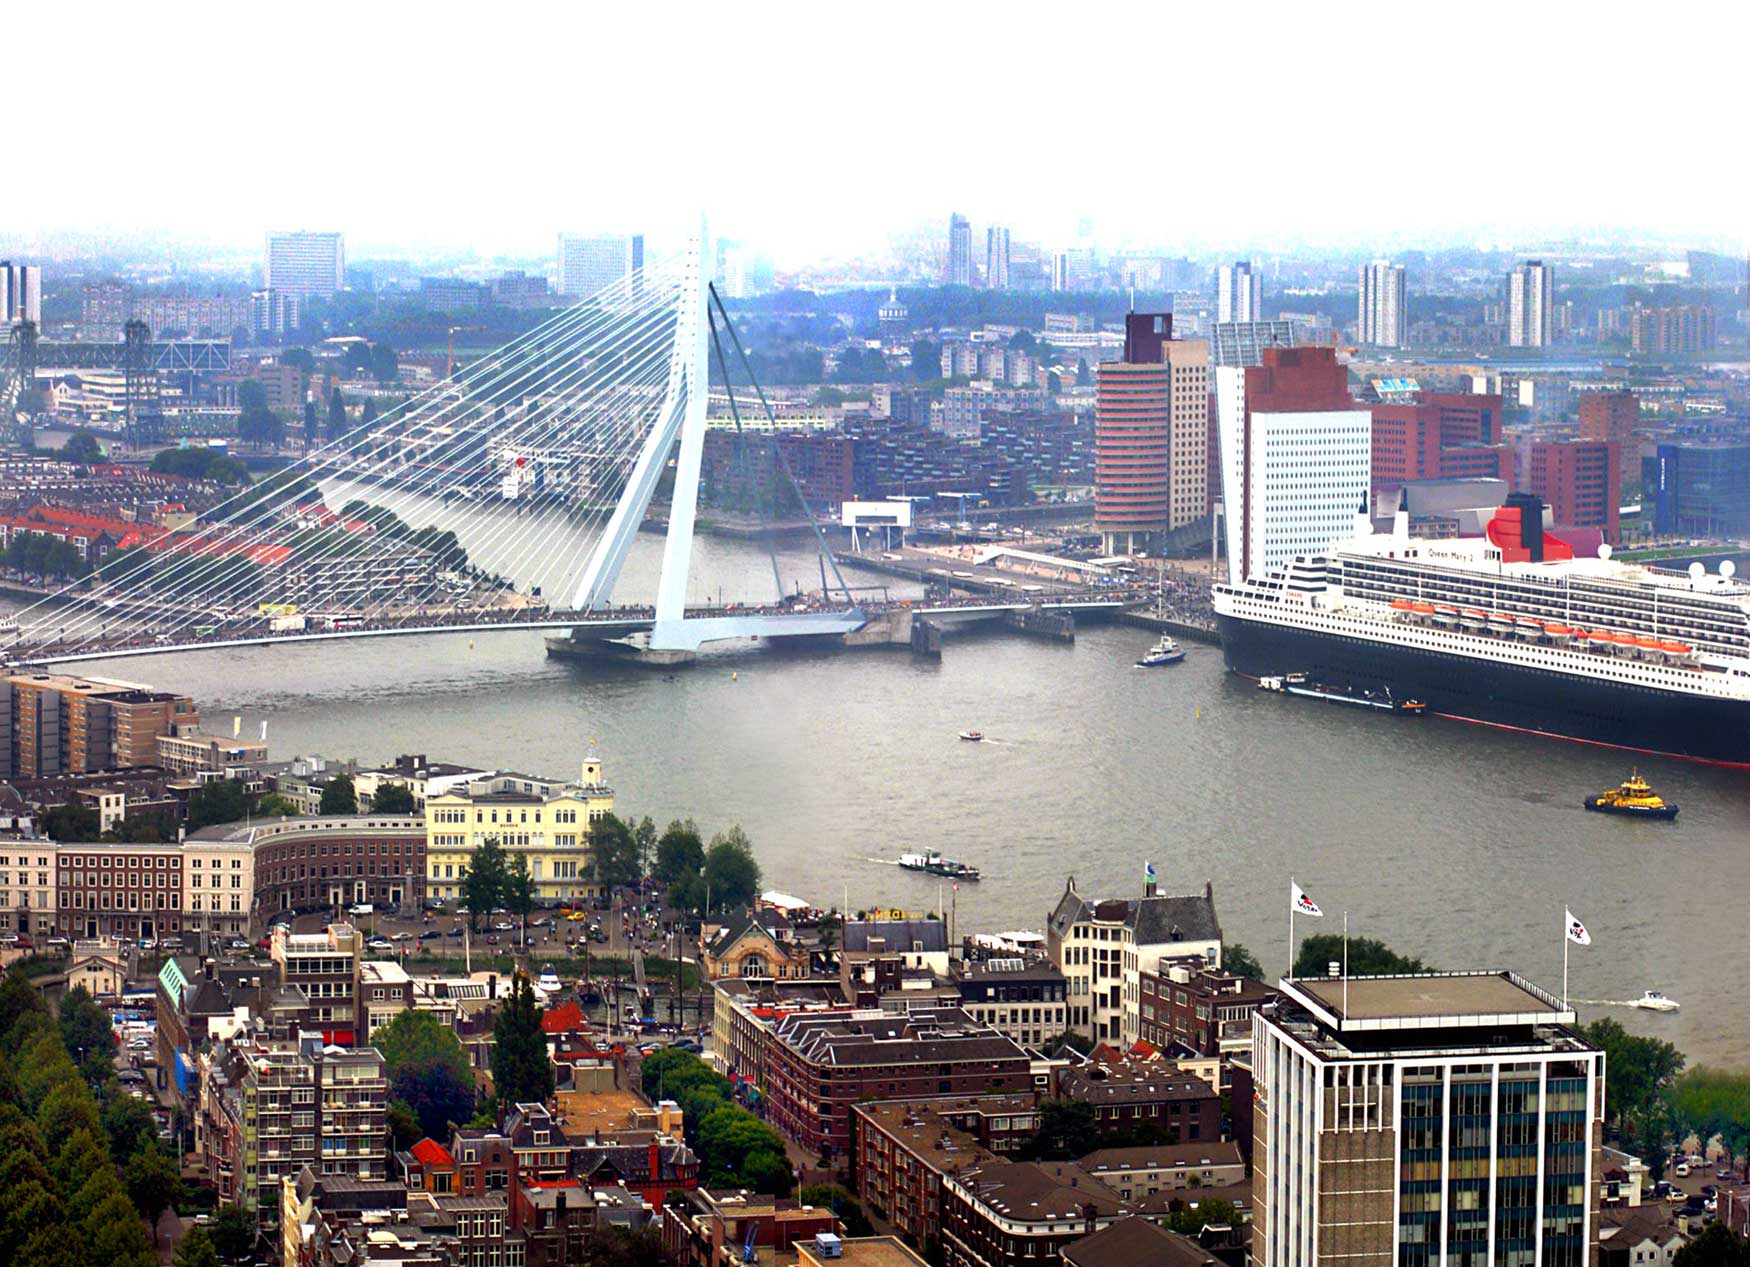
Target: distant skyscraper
(996,258)
(1530,298)
(21,293)
(274,312)
(1237,296)
(587,265)
(306,263)
(1060,270)
(959,250)
(1381,309)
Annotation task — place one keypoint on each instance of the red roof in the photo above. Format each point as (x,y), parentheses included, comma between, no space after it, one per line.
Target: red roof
(431,1153)
(563,1019)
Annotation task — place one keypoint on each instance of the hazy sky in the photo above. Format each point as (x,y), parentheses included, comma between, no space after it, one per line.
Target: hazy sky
(816,130)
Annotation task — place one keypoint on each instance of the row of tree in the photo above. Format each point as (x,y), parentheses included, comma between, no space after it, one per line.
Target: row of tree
(736,1149)
(696,877)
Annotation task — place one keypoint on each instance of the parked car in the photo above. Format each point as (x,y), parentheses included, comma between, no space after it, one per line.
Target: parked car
(504,926)
(402,936)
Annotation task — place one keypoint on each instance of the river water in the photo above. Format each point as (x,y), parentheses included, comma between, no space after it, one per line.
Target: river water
(1456,843)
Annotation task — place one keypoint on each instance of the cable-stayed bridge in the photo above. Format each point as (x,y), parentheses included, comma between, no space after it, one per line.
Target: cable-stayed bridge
(390,529)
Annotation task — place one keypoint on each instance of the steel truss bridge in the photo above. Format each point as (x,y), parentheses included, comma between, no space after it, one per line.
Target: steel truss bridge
(585,415)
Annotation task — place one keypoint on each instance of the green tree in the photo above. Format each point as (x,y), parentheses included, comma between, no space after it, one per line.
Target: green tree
(483,885)
(125,1120)
(19,1000)
(732,876)
(153,1183)
(260,427)
(312,421)
(338,796)
(66,1110)
(926,360)
(392,798)
(384,363)
(644,842)
(213,803)
(405,1128)
(337,424)
(251,394)
(72,822)
(87,1034)
(1084,375)
(1367,957)
(197,1249)
(613,853)
(1717,1246)
(841,1202)
(1066,1131)
(519,890)
(368,414)
(679,853)
(82,447)
(1637,1070)
(1714,1102)
(273,805)
(1189,1221)
(522,1073)
(439,1097)
(300,357)
(416,1037)
(233,1232)
(1241,962)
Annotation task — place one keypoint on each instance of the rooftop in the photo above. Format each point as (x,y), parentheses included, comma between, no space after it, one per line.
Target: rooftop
(1136,1242)
(862,1251)
(1443,1000)
(1194,1155)
(1041,1192)
(923,1132)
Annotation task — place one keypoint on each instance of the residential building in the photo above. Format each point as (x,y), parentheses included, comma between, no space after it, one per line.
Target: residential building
(1530,299)
(1181,1106)
(1026,1001)
(1103,948)
(1190,1009)
(546,822)
(588,265)
(717,1228)
(745,1011)
(1438,435)
(1699,488)
(1136,1242)
(305,264)
(1238,296)
(325,967)
(421,777)
(28,888)
(820,1065)
(275,312)
(191,751)
(1147,1170)
(1151,434)
(1296,455)
(192,316)
(904,1148)
(1022,1214)
(1443,1117)
(21,294)
(334,860)
(1613,416)
(218,886)
(1381,318)
(125,891)
(1580,481)
(996,258)
(1687,330)
(959,250)
(1643,1236)
(54,724)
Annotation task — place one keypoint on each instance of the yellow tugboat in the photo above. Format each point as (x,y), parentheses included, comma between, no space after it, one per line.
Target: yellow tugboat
(1635,798)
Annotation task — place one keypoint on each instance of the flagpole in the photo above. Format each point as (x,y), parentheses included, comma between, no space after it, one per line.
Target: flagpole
(1345,965)
(1565,940)
(1290,972)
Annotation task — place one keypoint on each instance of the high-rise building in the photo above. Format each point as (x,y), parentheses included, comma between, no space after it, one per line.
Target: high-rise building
(1439,435)
(1438,1118)
(1060,270)
(1296,456)
(591,264)
(1237,294)
(1151,435)
(306,264)
(996,258)
(55,724)
(1580,481)
(1381,314)
(274,312)
(1613,416)
(1700,488)
(21,293)
(1530,304)
(1680,331)
(959,250)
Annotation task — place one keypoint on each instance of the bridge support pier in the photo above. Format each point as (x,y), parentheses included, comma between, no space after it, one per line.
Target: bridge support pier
(1038,623)
(633,651)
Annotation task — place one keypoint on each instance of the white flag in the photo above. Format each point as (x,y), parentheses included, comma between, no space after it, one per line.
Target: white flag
(1577,931)
(1301,904)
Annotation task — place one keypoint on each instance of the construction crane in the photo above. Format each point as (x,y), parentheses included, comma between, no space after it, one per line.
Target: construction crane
(450,356)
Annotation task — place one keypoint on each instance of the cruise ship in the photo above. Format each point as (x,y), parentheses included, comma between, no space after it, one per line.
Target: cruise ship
(1511,629)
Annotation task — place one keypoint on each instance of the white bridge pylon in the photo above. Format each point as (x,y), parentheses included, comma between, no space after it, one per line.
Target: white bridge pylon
(683,420)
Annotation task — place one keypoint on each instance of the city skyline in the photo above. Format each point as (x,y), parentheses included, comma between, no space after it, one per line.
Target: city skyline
(621,181)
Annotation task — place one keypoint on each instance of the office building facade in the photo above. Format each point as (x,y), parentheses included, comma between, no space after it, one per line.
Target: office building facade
(959,250)
(21,293)
(1411,1121)
(1700,489)
(996,258)
(1613,416)
(1530,305)
(1238,295)
(306,264)
(1151,435)
(1381,306)
(588,265)
(1580,481)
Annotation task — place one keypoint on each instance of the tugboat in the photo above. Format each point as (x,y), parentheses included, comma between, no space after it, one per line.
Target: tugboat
(1634,798)
(1166,651)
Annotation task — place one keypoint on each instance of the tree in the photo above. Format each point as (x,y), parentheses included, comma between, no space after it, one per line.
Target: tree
(87,1035)
(732,877)
(19,998)
(519,891)
(82,447)
(522,1073)
(153,1184)
(273,805)
(214,803)
(1075,1041)
(613,853)
(197,1249)
(842,1203)
(483,885)
(1066,1131)
(125,1120)
(71,823)
(679,853)
(1188,1221)
(644,841)
(338,796)
(1241,962)
(260,427)
(1714,1102)
(438,1096)
(926,360)
(405,1127)
(251,394)
(300,357)
(1367,957)
(384,363)
(392,798)
(1084,375)
(312,422)
(234,1232)
(1717,1246)
(368,415)
(337,425)
(417,1037)
(1637,1070)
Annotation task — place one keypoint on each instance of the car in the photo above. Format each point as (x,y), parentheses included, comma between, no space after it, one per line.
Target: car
(379,943)
(504,926)
(360,908)
(140,1044)
(1682,1171)
(402,936)
(457,931)
(57,942)
(237,943)
(24,942)
(430,934)
(492,939)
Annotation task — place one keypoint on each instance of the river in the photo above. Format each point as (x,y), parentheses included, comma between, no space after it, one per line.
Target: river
(1456,843)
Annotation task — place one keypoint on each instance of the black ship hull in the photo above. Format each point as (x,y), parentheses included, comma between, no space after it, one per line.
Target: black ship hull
(1566,706)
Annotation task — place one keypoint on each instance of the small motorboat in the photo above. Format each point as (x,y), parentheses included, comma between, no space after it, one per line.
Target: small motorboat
(1654,1001)
(549,981)
(1166,651)
(972,736)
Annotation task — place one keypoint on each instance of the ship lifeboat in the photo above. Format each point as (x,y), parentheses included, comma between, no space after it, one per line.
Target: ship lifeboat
(1679,651)
(1473,619)
(1422,611)
(1447,616)
(1649,648)
(1500,622)
(1600,639)
(1561,635)
(1402,608)
(1528,628)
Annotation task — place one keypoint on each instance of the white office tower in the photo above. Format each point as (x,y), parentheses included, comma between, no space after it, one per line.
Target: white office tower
(959,250)
(21,293)
(1530,303)
(996,258)
(1380,314)
(305,264)
(1237,297)
(591,264)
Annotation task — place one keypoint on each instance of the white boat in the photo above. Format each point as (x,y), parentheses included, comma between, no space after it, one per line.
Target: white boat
(1654,1001)
(1166,651)
(972,736)
(549,980)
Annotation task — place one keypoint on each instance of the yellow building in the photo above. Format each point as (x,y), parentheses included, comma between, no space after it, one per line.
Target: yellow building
(546,821)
